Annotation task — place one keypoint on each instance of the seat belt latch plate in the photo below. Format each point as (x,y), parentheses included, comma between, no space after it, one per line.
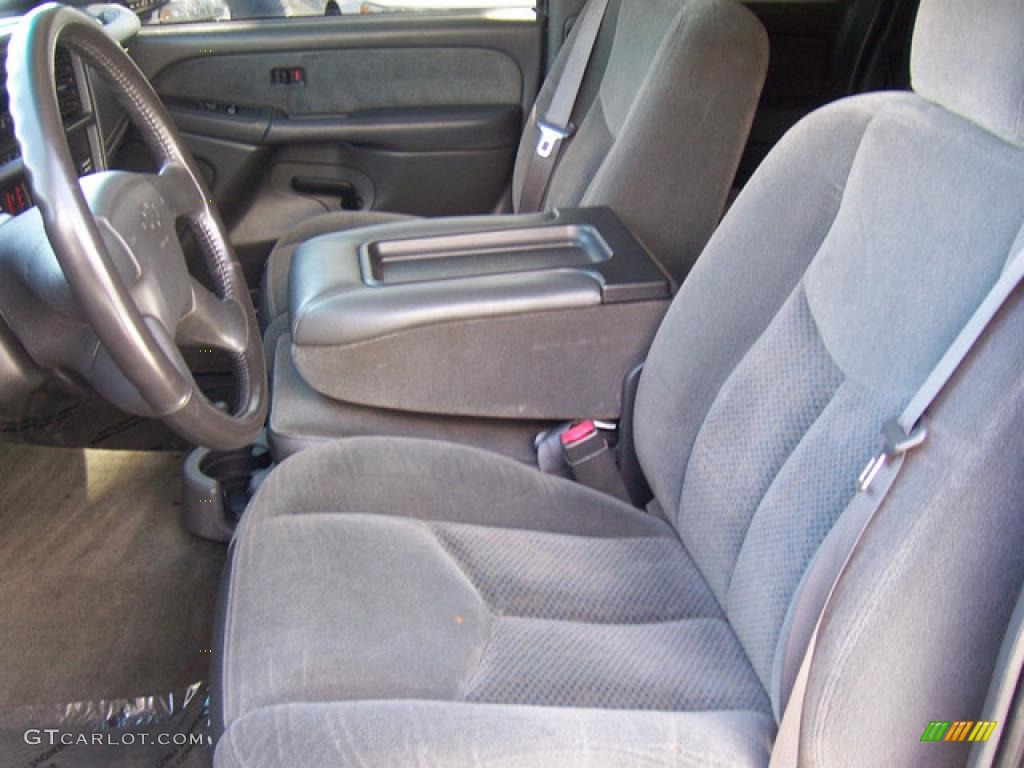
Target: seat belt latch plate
(550,136)
(895,442)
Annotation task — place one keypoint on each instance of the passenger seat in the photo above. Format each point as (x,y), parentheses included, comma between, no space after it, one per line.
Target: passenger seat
(662,118)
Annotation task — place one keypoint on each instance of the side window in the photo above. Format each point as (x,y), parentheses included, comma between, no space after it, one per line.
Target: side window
(183,11)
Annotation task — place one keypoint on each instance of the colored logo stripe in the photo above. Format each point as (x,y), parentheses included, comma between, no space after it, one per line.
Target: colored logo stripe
(982,730)
(960,730)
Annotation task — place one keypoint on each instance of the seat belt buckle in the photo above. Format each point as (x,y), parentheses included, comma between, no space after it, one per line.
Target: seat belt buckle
(591,459)
(895,442)
(581,441)
(550,135)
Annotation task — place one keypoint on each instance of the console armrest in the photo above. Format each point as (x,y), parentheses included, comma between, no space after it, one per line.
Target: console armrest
(531,316)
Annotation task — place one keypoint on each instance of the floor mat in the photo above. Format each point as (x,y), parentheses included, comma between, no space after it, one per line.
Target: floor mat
(104,594)
(86,421)
(89,421)
(147,732)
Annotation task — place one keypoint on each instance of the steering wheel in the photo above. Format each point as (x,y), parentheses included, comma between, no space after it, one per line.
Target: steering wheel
(115,237)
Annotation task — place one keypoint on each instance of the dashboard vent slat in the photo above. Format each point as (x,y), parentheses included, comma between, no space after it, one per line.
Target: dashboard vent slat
(68,97)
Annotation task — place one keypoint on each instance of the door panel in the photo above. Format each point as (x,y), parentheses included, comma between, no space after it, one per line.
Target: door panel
(416,114)
(349,80)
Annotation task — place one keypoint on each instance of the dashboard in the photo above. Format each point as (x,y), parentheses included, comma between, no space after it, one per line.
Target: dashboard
(94,125)
(80,113)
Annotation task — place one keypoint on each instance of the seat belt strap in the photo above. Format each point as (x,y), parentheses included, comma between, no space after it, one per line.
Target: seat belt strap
(556,125)
(899,437)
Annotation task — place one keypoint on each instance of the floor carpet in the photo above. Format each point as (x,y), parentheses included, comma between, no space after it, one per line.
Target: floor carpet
(103,593)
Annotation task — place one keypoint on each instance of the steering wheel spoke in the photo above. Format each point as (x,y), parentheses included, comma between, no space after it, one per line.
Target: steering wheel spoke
(179,190)
(213,322)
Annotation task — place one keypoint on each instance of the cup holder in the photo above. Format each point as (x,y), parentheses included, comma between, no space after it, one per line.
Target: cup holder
(218,486)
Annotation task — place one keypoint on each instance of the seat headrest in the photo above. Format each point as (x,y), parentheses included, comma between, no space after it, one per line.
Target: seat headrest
(968,56)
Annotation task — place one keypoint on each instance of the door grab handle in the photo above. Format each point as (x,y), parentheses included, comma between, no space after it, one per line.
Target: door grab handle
(321,187)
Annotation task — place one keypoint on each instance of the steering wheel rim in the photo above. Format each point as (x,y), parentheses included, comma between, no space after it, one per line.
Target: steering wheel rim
(142,343)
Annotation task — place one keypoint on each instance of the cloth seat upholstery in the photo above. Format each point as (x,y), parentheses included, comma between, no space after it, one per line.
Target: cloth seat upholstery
(407,602)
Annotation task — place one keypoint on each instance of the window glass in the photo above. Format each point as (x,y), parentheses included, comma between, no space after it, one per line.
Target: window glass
(180,11)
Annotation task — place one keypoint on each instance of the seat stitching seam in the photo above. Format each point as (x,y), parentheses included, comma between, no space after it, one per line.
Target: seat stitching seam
(835,215)
(465,569)
(466,684)
(670,619)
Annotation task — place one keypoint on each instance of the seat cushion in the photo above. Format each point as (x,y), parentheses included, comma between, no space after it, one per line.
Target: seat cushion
(274,296)
(352,582)
(395,733)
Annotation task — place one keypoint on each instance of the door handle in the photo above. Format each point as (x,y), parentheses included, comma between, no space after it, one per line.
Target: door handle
(321,187)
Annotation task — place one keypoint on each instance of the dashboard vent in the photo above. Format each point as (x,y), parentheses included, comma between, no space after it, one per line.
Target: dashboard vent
(68,97)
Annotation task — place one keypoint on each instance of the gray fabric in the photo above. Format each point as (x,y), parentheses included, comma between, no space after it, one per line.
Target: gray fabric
(397,733)
(317,585)
(750,268)
(938,570)
(967,57)
(662,120)
(540,163)
(386,476)
(353,79)
(767,473)
(1002,693)
(810,607)
(679,666)
(274,293)
(797,512)
(899,271)
(322,561)
(747,438)
(767,479)
(579,579)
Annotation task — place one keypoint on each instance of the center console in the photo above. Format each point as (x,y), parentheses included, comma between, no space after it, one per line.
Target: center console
(532,317)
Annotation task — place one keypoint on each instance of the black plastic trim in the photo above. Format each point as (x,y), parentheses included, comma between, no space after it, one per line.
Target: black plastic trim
(420,129)
(344,290)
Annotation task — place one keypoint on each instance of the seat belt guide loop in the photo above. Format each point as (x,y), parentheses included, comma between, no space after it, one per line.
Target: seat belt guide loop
(895,442)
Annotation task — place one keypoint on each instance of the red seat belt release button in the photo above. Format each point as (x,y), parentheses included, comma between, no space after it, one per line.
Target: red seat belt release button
(578,433)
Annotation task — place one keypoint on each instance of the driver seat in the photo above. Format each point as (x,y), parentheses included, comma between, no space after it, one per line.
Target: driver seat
(402,602)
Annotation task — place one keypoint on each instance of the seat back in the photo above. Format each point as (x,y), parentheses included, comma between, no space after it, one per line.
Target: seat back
(662,118)
(837,280)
